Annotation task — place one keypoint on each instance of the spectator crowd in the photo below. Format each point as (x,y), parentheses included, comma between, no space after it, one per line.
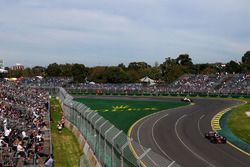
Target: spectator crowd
(24,130)
(220,83)
(24,124)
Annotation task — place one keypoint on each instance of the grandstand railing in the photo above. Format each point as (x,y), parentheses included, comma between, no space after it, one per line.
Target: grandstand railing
(111,146)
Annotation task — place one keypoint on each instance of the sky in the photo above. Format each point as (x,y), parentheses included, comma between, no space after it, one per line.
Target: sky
(110,32)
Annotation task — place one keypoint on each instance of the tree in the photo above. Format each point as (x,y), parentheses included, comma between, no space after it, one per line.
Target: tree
(79,73)
(53,70)
(233,67)
(116,75)
(154,73)
(122,66)
(38,71)
(246,62)
(27,72)
(15,73)
(205,69)
(246,58)
(171,70)
(184,60)
(134,75)
(96,74)
(66,70)
(138,65)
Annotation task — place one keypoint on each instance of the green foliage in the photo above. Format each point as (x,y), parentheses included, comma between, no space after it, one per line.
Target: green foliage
(15,73)
(37,71)
(233,67)
(66,70)
(171,70)
(184,60)
(246,62)
(167,71)
(78,72)
(205,69)
(115,75)
(53,70)
(246,58)
(138,65)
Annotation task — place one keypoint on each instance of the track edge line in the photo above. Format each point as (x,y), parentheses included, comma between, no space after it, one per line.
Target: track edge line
(212,125)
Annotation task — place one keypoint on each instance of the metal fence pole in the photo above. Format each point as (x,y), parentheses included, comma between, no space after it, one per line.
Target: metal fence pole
(105,144)
(171,164)
(86,124)
(122,150)
(97,121)
(141,156)
(100,139)
(96,134)
(91,121)
(113,143)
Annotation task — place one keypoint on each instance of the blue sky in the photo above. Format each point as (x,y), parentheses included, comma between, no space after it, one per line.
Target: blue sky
(109,32)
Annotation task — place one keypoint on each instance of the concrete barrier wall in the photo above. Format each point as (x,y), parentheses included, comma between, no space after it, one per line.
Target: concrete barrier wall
(92,160)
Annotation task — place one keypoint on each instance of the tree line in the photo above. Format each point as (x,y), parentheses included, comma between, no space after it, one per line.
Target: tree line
(167,71)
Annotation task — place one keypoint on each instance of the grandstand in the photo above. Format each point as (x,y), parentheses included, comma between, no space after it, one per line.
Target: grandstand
(24,116)
(24,125)
(219,84)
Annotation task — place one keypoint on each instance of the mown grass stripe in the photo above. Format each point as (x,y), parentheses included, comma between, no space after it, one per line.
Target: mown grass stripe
(65,146)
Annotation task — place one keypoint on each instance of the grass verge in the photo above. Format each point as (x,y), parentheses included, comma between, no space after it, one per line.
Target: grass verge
(239,122)
(65,146)
(123,113)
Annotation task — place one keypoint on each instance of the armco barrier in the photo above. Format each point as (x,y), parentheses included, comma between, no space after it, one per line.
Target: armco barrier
(102,142)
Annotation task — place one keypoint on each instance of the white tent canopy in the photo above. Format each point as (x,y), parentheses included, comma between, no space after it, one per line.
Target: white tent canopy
(148,80)
(3,71)
(39,77)
(92,83)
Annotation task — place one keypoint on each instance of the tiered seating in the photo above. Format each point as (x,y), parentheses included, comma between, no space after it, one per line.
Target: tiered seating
(24,137)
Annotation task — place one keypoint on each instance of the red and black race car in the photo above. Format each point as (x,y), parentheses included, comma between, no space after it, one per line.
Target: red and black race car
(214,137)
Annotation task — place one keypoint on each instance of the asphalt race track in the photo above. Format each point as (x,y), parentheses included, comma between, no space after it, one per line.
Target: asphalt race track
(177,134)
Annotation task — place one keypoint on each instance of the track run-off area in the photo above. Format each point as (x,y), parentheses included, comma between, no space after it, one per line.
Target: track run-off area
(178,135)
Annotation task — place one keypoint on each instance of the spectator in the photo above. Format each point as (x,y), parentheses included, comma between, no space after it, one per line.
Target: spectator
(49,161)
(59,127)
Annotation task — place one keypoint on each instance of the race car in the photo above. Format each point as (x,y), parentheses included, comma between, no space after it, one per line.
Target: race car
(215,138)
(186,100)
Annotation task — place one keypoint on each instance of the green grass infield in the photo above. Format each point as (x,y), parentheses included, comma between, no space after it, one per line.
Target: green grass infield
(239,122)
(65,146)
(123,113)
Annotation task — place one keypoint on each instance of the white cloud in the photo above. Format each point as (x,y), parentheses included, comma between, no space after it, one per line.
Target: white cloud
(115,31)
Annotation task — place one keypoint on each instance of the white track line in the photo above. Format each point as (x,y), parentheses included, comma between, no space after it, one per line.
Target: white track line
(224,152)
(155,139)
(199,128)
(198,156)
(138,137)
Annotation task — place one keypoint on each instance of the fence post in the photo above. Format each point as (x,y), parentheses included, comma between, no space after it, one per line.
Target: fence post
(141,156)
(113,143)
(91,121)
(86,123)
(105,144)
(122,150)
(96,134)
(97,121)
(171,164)
(100,139)
(85,119)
